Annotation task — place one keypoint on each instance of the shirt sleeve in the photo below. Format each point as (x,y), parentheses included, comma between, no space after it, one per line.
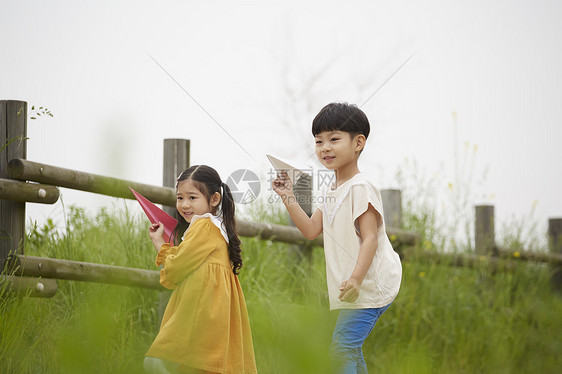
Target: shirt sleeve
(362,195)
(179,262)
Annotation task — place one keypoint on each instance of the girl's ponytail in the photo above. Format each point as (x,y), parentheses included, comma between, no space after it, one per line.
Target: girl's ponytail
(229,220)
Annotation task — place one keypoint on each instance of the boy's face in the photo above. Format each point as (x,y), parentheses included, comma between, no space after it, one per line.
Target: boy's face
(336,149)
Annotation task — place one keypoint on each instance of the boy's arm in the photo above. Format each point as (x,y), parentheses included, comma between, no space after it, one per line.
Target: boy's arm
(310,227)
(368,227)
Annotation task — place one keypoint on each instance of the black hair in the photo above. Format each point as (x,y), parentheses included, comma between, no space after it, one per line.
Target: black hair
(208,181)
(341,117)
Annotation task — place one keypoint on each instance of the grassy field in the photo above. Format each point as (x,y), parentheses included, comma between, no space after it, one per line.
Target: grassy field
(445,320)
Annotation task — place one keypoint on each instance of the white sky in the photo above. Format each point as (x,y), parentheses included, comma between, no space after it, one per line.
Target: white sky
(251,64)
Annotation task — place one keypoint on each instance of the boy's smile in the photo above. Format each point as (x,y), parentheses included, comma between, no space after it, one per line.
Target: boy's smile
(336,149)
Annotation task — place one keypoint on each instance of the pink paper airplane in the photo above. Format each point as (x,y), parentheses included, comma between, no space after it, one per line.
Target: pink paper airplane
(156,215)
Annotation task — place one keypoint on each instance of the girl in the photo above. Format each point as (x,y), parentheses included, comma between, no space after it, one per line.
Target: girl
(205,328)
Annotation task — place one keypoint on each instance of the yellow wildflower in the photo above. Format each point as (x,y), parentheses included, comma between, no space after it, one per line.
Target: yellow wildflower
(392,238)
(516,254)
(422,274)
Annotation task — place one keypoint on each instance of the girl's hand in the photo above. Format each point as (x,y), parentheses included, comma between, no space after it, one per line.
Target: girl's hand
(156,233)
(349,291)
(282,186)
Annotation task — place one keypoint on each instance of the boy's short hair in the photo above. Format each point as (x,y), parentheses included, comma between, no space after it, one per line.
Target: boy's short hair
(341,117)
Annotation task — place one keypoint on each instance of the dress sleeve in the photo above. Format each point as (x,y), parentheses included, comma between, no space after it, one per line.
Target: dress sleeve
(179,262)
(164,252)
(362,195)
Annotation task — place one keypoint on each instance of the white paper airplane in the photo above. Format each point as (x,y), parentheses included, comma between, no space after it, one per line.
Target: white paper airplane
(293,169)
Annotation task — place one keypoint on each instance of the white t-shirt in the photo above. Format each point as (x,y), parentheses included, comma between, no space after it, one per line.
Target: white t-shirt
(340,209)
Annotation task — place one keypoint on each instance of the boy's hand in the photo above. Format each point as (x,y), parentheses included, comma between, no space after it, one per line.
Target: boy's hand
(282,185)
(349,290)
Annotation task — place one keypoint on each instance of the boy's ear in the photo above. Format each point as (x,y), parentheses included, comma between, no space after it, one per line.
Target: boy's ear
(359,141)
(215,199)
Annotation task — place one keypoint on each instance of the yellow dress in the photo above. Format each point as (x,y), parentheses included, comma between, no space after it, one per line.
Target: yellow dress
(205,325)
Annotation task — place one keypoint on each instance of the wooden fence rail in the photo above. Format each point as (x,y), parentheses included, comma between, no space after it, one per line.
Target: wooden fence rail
(38,172)
(29,286)
(30,266)
(502,259)
(25,170)
(28,192)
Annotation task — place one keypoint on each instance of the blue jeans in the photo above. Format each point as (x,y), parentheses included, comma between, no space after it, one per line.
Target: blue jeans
(352,328)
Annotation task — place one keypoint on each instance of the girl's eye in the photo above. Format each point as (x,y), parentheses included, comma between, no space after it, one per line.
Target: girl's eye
(335,139)
(319,142)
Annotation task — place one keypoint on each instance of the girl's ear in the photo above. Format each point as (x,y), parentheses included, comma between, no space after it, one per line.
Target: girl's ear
(360,142)
(215,199)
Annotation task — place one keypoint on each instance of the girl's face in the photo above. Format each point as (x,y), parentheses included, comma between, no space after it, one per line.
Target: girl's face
(190,201)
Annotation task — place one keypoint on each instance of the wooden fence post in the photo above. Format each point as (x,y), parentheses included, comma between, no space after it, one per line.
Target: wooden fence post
(303,194)
(13,143)
(555,245)
(484,229)
(392,207)
(176,160)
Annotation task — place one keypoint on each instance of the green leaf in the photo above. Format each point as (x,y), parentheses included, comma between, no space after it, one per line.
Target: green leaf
(32,118)
(10,141)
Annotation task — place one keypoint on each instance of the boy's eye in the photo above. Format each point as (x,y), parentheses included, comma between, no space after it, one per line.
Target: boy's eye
(319,142)
(335,139)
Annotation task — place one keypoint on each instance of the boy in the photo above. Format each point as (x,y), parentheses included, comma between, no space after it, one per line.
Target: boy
(362,269)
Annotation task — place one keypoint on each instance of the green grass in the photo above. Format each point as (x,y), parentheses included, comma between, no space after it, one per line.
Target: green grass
(445,320)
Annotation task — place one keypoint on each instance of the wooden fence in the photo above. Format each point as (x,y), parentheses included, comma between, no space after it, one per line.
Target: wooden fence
(23,181)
